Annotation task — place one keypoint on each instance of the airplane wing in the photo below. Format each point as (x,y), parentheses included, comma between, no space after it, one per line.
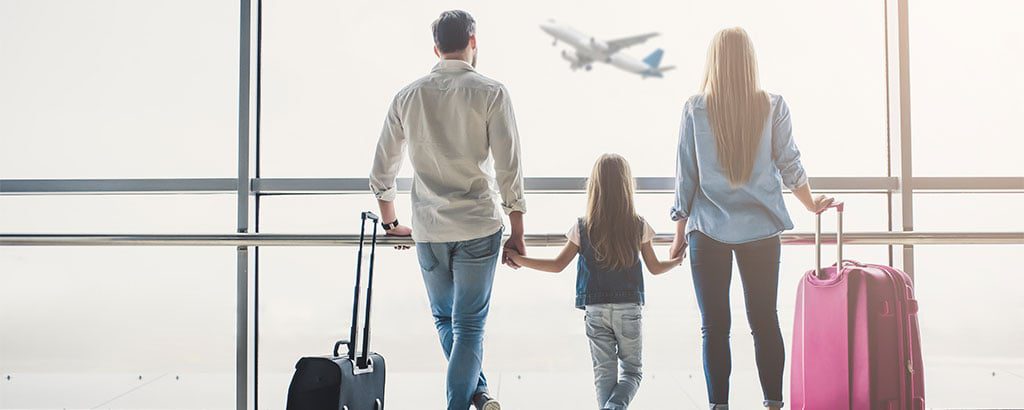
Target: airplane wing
(621,43)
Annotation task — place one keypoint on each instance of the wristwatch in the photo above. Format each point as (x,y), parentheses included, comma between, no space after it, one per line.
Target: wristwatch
(390,225)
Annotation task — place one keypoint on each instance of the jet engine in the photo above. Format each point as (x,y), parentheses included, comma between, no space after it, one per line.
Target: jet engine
(571,57)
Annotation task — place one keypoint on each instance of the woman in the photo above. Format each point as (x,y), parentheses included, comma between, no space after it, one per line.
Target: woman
(736,151)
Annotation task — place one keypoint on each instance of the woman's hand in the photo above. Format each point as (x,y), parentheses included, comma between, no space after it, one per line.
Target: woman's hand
(820,202)
(678,249)
(813,204)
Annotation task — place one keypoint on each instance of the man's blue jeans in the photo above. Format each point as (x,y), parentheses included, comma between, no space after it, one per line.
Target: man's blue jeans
(458,277)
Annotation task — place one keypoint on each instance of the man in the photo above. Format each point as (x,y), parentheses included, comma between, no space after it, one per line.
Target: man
(462,141)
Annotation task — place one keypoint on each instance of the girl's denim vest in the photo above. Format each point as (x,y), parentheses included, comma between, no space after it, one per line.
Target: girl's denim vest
(595,284)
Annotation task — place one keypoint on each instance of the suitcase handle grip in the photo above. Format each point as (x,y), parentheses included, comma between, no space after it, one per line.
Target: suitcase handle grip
(338,345)
(839,206)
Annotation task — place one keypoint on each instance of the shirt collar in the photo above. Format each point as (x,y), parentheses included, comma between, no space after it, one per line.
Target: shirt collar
(452,65)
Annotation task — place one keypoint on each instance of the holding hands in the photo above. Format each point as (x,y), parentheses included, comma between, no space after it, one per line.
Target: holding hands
(515,243)
(513,251)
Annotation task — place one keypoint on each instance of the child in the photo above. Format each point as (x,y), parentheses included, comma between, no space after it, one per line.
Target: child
(610,240)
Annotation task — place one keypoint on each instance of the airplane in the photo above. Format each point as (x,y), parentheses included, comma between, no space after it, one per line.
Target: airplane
(588,50)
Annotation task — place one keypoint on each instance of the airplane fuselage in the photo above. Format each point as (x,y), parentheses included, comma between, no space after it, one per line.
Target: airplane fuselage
(591,48)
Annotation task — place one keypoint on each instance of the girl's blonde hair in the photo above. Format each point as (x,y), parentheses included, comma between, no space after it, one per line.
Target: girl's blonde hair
(612,224)
(737,106)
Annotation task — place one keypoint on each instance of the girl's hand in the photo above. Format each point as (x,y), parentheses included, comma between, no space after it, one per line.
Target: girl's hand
(514,255)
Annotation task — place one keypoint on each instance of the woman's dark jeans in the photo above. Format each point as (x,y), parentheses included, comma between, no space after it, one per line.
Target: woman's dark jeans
(711,264)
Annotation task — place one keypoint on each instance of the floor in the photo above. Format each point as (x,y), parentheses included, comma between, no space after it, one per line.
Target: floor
(965,386)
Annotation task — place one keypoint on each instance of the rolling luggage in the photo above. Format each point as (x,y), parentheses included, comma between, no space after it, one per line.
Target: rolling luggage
(855,336)
(355,380)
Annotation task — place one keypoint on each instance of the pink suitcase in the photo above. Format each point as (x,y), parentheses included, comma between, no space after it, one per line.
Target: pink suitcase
(855,336)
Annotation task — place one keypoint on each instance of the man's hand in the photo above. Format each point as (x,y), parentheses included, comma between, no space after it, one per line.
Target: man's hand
(387,215)
(400,230)
(515,240)
(514,244)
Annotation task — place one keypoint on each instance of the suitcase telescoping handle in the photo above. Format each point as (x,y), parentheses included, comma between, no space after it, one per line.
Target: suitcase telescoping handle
(820,273)
(362,362)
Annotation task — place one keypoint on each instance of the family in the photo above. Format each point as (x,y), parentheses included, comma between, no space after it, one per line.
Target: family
(735,154)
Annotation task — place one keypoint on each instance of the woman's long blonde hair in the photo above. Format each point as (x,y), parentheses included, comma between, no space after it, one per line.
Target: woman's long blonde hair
(612,224)
(737,106)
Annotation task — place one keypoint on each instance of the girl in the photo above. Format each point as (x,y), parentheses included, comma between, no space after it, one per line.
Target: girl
(736,151)
(610,240)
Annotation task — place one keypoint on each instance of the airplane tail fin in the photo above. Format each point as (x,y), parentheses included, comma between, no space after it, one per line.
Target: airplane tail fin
(654,59)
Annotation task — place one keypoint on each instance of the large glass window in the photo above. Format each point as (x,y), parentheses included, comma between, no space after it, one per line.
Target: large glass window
(985,212)
(965,87)
(123,327)
(118,327)
(327,85)
(115,89)
(212,213)
(972,325)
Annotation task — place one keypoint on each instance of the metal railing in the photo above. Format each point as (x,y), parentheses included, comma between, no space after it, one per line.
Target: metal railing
(258,186)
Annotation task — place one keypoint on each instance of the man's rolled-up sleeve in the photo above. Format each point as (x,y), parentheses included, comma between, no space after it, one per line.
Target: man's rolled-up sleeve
(388,158)
(503,138)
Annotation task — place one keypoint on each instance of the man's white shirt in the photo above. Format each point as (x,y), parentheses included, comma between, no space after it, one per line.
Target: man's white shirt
(460,132)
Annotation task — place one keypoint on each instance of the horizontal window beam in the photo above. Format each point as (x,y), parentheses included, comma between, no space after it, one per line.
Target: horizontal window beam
(281,186)
(969,183)
(106,186)
(793,238)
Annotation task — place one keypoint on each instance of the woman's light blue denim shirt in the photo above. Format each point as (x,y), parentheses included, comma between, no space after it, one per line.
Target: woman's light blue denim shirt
(749,212)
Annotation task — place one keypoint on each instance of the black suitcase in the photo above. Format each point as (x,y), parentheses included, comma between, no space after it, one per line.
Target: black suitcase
(354,381)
